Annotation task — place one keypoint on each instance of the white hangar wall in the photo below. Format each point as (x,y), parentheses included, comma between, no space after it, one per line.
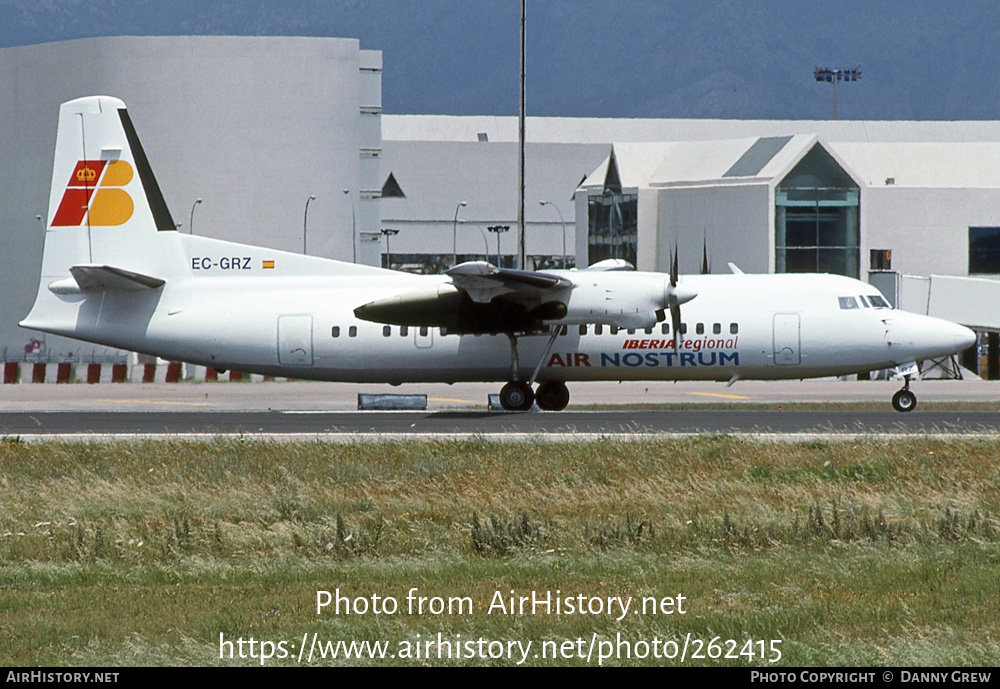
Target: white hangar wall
(251,125)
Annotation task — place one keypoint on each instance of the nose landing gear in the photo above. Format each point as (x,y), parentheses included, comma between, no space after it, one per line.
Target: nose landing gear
(904,400)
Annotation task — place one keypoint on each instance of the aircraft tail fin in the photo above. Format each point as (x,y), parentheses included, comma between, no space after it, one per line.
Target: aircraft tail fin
(108,227)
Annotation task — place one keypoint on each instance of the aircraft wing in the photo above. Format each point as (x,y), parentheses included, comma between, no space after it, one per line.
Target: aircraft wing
(483,281)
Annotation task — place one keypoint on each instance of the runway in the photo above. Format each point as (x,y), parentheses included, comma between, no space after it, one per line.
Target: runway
(491,424)
(327,411)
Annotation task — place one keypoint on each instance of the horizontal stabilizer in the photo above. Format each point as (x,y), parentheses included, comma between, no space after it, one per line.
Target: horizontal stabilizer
(92,278)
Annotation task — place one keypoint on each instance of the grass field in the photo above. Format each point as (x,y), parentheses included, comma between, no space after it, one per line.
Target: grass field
(879,552)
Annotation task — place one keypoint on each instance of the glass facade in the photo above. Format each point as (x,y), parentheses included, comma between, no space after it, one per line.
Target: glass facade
(816,220)
(612,227)
(817,231)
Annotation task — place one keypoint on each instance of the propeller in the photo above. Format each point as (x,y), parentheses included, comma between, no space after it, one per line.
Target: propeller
(677,295)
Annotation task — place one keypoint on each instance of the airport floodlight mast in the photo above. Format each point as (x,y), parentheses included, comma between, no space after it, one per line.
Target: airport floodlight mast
(386,232)
(834,76)
(521,255)
(498,229)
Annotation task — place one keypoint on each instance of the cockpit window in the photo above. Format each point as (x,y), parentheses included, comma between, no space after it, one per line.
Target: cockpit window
(848,303)
(878,302)
(864,302)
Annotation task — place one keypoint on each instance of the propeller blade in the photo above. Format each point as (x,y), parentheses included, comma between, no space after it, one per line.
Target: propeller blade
(675,323)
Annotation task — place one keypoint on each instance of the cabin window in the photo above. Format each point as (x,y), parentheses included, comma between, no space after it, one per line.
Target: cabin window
(700,328)
(684,328)
(649,330)
(352,331)
(848,303)
(734,328)
(614,329)
(404,331)
(335,331)
(386,331)
(665,329)
(583,330)
(717,328)
(598,329)
(423,331)
(631,331)
(563,331)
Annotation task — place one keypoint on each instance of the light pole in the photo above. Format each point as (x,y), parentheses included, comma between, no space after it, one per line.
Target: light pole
(388,254)
(549,203)
(305,218)
(454,235)
(191,220)
(354,228)
(486,246)
(834,76)
(611,221)
(498,229)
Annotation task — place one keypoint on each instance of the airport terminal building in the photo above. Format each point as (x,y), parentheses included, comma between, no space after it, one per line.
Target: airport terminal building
(282,142)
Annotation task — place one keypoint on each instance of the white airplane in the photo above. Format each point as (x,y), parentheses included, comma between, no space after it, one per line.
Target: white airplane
(116,272)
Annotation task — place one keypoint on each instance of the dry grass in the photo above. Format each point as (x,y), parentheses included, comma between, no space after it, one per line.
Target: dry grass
(142,553)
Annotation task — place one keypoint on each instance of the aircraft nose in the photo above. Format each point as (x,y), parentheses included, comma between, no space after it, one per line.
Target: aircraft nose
(963,337)
(945,337)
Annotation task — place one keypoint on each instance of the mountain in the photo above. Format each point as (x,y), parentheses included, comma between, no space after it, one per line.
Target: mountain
(920,59)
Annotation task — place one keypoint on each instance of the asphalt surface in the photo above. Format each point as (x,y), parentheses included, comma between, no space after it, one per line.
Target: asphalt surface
(327,410)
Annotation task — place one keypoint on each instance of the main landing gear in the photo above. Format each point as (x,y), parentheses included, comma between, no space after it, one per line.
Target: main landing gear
(904,400)
(518,395)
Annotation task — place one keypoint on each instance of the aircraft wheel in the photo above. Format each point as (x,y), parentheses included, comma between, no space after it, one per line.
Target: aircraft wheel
(516,396)
(904,400)
(552,396)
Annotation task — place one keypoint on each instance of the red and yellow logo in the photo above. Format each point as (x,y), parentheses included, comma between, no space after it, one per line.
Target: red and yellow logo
(96,186)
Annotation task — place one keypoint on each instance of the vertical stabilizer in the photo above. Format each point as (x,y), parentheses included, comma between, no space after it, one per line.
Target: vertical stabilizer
(105,209)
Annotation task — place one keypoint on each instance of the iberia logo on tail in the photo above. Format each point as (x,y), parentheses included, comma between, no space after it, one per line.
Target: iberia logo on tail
(96,187)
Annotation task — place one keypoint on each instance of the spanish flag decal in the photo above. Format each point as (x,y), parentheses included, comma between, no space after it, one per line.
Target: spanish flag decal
(267,264)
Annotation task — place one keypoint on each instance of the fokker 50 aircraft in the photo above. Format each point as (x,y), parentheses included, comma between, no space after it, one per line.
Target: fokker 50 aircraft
(116,272)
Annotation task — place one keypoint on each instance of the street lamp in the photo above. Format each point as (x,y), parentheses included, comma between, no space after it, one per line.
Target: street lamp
(191,221)
(499,229)
(388,254)
(305,218)
(610,195)
(454,235)
(354,228)
(833,76)
(549,203)
(486,246)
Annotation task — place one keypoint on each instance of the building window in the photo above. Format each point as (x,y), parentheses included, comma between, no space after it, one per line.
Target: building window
(612,227)
(984,250)
(816,219)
